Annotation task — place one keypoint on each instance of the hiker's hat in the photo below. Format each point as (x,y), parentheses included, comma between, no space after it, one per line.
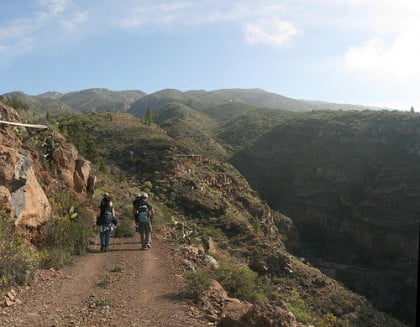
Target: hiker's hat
(106,194)
(144,195)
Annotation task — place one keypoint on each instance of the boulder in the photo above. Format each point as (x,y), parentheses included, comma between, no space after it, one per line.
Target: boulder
(20,193)
(269,315)
(211,262)
(64,158)
(81,175)
(232,314)
(9,159)
(37,209)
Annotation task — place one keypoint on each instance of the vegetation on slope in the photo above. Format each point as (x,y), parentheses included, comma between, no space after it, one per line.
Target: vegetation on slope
(348,178)
(210,199)
(206,198)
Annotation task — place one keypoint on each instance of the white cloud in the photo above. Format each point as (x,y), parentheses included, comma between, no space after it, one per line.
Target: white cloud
(55,6)
(275,32)
(72,22)
(15,39)
(22,35)
(154,14)
(391,55)
(260,23)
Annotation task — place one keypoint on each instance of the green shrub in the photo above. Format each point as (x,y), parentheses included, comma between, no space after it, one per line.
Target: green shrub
(216,233)
(297,306)
(118,269)
(103,301)
(67,233)
(239,280)
(105,282)
(147,186)
(66,237)
(18,260)
(197,284)
(124,228)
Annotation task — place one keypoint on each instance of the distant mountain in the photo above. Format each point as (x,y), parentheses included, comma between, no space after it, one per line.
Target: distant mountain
(93,100)
(51,95)
(322,105)
(202,100)
(161,98)
(254,97)
(224,103)
(42,103)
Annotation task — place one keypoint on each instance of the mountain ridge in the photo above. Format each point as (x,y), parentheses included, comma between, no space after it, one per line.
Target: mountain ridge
(137,102)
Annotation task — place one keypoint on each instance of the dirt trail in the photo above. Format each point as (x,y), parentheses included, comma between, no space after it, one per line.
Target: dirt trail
(95,292)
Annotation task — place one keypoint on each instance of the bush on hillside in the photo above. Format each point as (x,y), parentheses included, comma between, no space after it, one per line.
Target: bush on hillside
(67,233)
(124,228)
(197,284)
(66,237)
(75,133)
(14,102)
(18,260)
(239,280)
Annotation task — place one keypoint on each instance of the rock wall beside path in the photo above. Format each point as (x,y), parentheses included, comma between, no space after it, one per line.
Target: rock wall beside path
(21,170)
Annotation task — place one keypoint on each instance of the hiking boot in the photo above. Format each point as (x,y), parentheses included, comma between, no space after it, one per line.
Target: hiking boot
(102,248)
(148,245)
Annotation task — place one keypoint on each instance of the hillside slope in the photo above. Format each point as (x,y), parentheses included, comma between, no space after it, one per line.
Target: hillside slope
(93,100)
(348,178)
(212,199)
(90,100)
(214,211)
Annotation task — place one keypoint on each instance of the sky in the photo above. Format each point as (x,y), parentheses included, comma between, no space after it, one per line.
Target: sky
(345,51)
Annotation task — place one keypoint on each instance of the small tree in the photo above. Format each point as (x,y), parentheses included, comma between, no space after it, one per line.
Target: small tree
(148,117)
(412,109)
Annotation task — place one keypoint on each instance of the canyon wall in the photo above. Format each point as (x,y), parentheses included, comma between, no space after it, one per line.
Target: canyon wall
(351,183)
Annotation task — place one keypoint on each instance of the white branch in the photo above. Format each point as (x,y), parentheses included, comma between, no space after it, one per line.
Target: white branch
(21,124)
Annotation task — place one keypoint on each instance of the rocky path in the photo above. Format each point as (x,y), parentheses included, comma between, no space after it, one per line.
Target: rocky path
(122,287)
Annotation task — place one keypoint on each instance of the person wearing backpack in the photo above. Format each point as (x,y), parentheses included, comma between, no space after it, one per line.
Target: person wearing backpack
(143,213)
(106,218)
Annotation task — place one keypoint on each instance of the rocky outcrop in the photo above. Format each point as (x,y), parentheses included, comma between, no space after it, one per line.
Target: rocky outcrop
(350,182)
(81,175)
(268,315)
(64,158)
(231,312)
(21,195)
(7,134)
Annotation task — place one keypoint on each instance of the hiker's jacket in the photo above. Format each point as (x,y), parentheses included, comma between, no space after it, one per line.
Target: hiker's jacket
(137,203)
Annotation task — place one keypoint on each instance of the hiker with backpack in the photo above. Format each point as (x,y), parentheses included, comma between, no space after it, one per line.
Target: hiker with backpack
(143,213)
(106,218)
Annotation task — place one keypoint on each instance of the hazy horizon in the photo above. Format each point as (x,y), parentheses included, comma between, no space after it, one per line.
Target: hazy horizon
(105,88)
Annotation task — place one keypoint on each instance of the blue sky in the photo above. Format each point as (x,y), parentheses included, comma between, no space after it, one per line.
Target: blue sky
(349,51)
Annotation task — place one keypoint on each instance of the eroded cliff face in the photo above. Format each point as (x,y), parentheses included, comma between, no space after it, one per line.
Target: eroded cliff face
(351,183)
(24,164)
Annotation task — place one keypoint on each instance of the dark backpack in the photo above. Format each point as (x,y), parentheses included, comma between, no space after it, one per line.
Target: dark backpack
(106,217)
(143,213)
